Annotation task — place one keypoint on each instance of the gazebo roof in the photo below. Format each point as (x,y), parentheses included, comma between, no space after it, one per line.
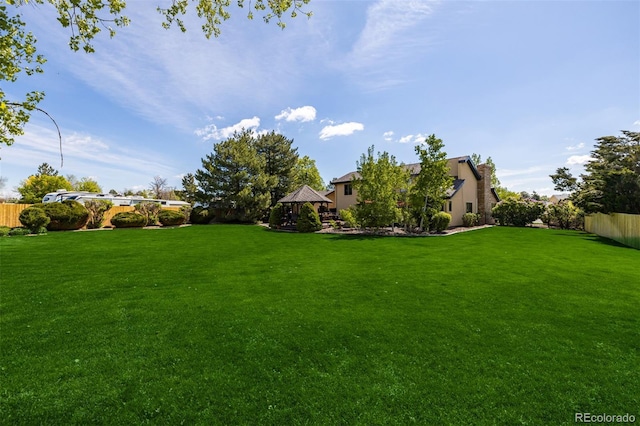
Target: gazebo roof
(305,194)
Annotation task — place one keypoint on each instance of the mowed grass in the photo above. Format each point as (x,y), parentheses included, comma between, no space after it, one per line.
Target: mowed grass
(240,325)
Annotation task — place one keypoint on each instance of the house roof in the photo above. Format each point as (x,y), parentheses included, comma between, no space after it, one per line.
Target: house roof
(414,168)
(457,184)
(305,194)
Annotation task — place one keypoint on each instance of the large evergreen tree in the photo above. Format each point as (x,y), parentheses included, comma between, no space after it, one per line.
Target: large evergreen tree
(611,183)
(189,190)
(280,159)
(433,181)
(233,178)
(378,189)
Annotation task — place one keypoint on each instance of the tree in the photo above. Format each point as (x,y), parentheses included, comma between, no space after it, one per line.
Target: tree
(85,184)
(377,187)
(280,160)
(88,185)
(158,187)
(86,19)
(477,160)
(233,178)
(563,180)
(433,181)
(45,180)
(305,172)
(18,56)
(189,191)
(45,169)
(612,179)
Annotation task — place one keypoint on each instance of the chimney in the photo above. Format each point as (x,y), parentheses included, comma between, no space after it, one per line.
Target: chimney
(484,195)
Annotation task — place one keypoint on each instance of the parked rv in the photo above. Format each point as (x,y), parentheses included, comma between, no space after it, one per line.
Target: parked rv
(117,200)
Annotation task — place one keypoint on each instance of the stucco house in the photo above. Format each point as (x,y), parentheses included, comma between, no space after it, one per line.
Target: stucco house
(471,190)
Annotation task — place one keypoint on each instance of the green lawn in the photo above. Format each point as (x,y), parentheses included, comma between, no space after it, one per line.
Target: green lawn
(240,325)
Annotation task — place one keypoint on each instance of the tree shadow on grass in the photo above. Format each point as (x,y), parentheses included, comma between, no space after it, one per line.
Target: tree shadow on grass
(598,239)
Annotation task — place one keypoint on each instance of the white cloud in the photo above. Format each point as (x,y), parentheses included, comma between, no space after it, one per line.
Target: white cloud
(388,136)
(391,34)
(419,138)
(636,123)
(343,129)
(578,159)
(305,113)
(386,19)
(173,78)
(112,165)
(212,132)
(84,142)
(575,147)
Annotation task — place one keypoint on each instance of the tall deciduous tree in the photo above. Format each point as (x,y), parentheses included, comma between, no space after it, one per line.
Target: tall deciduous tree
(477,160)
(433,181)
(305,172)
(233,178)
(45,180)
(611,182)
(378,189)
(280,159)
(86,19)
(158,187)
(87,184)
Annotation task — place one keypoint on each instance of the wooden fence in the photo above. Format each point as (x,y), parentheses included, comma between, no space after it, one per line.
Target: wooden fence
(624,228)
(9,213)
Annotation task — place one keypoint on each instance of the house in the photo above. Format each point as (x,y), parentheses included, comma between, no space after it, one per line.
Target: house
(471,191)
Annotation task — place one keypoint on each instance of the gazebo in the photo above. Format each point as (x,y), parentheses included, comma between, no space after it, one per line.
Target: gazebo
(304,194)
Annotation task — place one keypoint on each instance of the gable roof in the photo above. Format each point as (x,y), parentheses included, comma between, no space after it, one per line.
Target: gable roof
(305,194)
(455,187)
(414,168)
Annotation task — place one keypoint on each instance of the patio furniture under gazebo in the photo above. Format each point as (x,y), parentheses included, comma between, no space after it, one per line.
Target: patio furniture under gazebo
(297,198)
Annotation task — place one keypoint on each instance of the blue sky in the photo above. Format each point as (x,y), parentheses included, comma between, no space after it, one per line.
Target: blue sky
(529,83)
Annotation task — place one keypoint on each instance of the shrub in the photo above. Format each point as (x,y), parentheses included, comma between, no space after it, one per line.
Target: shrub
(4,230)
(18,231)
(275,217)
(129,220)
(440,221)
(308,219)
(470,219)
(200,215)
(34,218)
(186,212)
(513,211)
(97,209)
(564,215)
(170,218)
(149,210)
(349,218)
(67,215)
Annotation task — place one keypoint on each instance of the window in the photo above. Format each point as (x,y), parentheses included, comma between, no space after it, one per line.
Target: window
(450,206)
(469,207)
(347,189)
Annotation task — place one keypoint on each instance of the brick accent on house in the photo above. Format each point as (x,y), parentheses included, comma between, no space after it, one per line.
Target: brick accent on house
(485,197)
